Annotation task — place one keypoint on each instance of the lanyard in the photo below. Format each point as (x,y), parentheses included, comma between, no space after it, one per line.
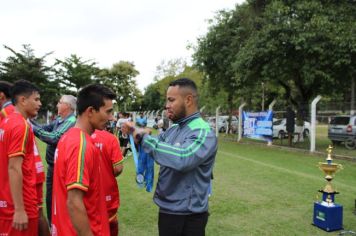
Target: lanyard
(134,152)
(139,177)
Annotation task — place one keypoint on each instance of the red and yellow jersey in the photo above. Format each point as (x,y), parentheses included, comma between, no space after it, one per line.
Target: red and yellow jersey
(40,175)
(6,111)
(16,141)
(111,156)
(77,166)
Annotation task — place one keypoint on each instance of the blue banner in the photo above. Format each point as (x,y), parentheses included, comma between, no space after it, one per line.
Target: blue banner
(258,125)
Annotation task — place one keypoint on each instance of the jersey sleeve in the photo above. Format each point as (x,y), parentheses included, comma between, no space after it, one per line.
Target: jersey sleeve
(79,164)
(116,155)
(18,139)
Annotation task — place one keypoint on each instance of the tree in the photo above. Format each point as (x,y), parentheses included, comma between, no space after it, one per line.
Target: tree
(25,65)
(152,98)
(120,78)
(216,51)
(306,47)
(74,73)
(155,94)
(171,67)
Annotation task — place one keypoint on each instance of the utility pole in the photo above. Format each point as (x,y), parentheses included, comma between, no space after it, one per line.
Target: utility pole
(352,108)
(263,96)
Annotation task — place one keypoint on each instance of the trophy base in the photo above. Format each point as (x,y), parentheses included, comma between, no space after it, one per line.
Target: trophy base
(328,218)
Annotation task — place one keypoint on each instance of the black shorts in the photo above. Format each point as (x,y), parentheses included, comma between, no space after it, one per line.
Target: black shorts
(188,225)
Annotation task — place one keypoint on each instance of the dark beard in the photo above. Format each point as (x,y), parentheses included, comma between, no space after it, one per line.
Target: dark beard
(180,115)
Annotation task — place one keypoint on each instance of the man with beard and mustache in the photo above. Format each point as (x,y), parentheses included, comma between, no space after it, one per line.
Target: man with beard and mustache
(186,154)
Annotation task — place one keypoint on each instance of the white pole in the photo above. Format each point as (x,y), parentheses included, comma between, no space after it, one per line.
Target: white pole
(352,109)
(134,117)
(270,107)
(47,117)
(313,123)
(263,96)
(240,121)
(216,121)
(272,104)
(202,109)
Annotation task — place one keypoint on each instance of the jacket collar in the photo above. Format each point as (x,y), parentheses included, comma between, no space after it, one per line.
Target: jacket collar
(67,117)
(188,118)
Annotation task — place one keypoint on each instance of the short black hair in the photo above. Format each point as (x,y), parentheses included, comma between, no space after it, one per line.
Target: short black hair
(189,84)
(184,82)
(5,87)
(93,95)
(22,88)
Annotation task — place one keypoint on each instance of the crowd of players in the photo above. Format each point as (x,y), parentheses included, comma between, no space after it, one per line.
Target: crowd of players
(83,159)
(80,190)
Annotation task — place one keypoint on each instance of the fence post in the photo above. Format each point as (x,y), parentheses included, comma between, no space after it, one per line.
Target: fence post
(270,107)
(202,109)
(313,123)
(134,117)
(216,121)
(240,121)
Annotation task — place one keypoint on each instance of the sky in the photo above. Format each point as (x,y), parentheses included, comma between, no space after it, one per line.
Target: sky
(145,32)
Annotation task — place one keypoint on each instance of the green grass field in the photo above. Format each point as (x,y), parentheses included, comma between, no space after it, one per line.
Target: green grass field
(257,190)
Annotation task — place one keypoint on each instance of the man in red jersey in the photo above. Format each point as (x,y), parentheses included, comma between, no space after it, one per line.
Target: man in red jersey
(7,109)
(78,205)
(6,106)
(111,167)
(43,229)
(18,198)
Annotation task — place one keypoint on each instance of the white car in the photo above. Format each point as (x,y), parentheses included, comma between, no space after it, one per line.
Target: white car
(223,123)
(280,129)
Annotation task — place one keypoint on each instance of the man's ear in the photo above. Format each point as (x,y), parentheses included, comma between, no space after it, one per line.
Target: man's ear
(2,96)
(189,99)
(21,99)
(90,111)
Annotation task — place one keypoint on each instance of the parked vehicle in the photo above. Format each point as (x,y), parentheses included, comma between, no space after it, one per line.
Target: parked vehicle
(223,122)
(280,129)
(343,129)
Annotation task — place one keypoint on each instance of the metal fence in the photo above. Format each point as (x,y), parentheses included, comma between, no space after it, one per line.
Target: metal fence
(303,136)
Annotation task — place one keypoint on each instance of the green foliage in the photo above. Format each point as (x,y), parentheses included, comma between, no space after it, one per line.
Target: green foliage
(171,67)
(155,94)
(74,73)
(304,47)
(69,75)
(25,65)
(120,78)
(153,100)
(216,51)
(299,48)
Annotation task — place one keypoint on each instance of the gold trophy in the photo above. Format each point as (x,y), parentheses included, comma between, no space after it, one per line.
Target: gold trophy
(329,169)
(328,214)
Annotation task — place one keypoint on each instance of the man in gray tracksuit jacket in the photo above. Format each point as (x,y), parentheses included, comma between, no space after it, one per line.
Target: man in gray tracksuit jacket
(186,154)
